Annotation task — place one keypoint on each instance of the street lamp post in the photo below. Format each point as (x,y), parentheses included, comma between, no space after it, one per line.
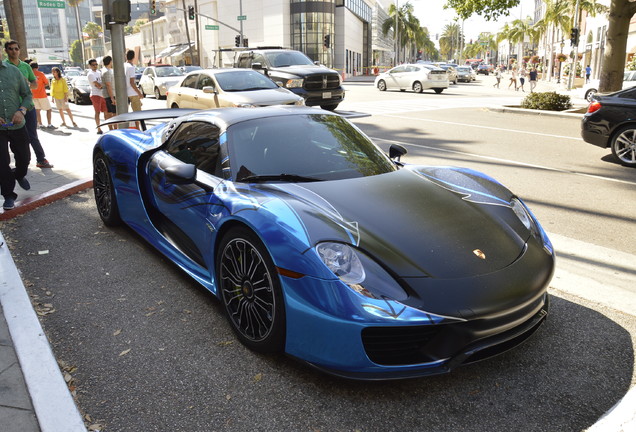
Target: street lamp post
(560,63)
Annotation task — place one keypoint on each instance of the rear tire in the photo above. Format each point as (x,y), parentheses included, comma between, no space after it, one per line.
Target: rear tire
(417,87)
(329,107)
(157,93)
(624,145)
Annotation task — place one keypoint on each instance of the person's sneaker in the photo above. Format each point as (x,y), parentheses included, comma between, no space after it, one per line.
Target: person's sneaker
(24,183)
(9,204)
(51,127)
(41,126)
(99,132)
(44,164)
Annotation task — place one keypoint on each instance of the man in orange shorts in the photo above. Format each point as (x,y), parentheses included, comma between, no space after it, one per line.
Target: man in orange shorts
(99,103)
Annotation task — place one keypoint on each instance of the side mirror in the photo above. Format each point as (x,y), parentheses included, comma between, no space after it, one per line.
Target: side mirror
(181,174)
(396,151)
(257,66)
(209,89)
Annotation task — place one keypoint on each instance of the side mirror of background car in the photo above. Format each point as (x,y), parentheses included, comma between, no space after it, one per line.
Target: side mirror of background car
(396,151)
(257,66)
(209,89)
(181,174)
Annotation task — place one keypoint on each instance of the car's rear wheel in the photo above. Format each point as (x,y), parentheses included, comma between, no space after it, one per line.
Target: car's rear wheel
(329,107)
(590,94)
(624,145)
(174,105)
(141,89)
(157,93)
(381,85)
(438,90)
(250,291)
(417,87)
(105,198)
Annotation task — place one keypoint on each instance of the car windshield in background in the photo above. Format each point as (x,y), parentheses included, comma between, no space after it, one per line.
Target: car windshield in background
(48,68)
(244,81)
(80,80)
(168,71)
(463,69)
(267,149)
(288,58)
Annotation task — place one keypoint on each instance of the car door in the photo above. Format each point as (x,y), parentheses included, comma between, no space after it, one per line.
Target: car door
(184,213)
(147,82)
(206,100)
(394,76)
(184,95)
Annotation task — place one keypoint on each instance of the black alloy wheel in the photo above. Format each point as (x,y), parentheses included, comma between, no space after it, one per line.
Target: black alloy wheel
(381,85)
(250,291)
(624,145)
(105,198)
(438,90)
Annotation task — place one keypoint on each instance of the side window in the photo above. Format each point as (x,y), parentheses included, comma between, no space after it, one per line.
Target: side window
(190,81)
(259,58)
(244,61)
(205,81)
(197,143)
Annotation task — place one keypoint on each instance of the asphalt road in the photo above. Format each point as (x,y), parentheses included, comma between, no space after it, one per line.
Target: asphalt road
(149,350)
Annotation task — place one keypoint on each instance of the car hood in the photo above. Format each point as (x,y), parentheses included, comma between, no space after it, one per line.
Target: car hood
(418,222)
(274,96)
(168,80)
(303,70)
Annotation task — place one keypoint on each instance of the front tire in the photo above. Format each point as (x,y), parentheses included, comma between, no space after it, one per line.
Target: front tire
(417,87)
(624,145)
(438,90)
(329,107)
(381,85)
(105,198)
(250,291)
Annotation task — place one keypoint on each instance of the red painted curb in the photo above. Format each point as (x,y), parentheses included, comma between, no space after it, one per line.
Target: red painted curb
(34,202)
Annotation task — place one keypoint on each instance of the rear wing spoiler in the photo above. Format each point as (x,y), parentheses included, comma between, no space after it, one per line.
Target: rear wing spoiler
(143,116)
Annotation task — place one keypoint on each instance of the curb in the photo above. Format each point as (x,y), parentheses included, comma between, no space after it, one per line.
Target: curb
(54,406)
(31,203)
(562,114)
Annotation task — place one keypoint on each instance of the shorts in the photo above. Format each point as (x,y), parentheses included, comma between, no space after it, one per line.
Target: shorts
(135,103)
(42,104)
(61,104)
(99,104)
(110,108)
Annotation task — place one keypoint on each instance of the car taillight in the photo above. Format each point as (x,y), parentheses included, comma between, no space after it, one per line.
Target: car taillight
(594,106)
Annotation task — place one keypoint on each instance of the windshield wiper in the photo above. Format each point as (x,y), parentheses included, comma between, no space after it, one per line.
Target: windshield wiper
(257,88)
(285,177)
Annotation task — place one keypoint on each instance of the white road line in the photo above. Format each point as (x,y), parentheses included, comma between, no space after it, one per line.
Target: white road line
(508,161)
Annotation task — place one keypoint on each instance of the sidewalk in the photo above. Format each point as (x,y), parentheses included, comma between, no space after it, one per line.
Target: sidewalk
(33,394)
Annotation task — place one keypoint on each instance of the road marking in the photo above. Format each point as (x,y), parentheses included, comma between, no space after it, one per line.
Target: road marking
(509,161)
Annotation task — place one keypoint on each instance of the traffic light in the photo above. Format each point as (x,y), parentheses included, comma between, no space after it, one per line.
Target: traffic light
(245,42)
(574,36)
(120,11)
(237,40)
(153,7)
(327,41)
(191,12)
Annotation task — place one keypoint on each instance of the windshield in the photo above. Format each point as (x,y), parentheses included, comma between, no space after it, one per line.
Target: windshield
(244,81)
(308,147)
(168,71)
(463,69)
(288,58)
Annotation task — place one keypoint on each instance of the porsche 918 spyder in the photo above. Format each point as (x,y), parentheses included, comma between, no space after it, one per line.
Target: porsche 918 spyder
(320,245)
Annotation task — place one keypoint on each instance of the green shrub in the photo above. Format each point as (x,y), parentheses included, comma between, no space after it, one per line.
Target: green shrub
(551,101)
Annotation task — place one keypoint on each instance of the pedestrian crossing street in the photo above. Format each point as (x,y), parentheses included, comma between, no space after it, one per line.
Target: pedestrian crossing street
(433,102)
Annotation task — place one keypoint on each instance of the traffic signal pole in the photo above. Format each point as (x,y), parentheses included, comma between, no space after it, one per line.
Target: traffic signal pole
(575,49)
(185,17)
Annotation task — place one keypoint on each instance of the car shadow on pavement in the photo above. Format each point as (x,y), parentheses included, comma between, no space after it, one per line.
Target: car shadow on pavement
(130,322)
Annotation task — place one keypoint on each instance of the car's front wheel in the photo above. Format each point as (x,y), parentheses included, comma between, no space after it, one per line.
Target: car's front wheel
(438,90)
(417,87)
(329,107)
(381,85)
(105,198)
(624,145)
(250,291)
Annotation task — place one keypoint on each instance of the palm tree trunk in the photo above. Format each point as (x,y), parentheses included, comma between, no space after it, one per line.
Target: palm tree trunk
(15,20)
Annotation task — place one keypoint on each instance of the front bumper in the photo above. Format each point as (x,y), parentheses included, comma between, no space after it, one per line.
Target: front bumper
(320,97)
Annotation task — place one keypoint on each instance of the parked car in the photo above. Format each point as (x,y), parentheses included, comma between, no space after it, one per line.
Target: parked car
(70,74)
(359,264)
(610,121)
(450,70)
(591,88)
(158,79)
(79,90)
(293,70)
(484,69)
(47,69)
(139,71)
(416,77)
(214,88)
(466,74)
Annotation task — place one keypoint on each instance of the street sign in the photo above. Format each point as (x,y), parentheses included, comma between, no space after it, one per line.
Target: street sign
(211,27)
(162,6)
(51,4)
(241,17)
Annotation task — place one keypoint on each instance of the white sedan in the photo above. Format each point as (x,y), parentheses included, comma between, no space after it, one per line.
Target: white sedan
(416,77)
(589,90)
(215,88)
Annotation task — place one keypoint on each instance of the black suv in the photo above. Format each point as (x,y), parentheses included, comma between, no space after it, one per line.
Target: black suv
(295,71)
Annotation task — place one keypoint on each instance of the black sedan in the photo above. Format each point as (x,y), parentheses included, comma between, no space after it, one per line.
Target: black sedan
(610,121)
(80,90)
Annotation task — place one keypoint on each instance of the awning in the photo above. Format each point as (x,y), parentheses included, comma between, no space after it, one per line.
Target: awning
(168,51)
(181,49)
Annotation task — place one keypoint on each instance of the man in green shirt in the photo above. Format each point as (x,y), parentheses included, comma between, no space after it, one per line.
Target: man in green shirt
(13,57)
(15,97)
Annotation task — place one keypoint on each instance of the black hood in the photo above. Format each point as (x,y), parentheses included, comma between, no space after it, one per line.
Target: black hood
(413,224)
(302,70)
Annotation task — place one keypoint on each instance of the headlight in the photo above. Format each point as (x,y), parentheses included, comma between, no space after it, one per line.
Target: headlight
(529,221)
(522,213)
(361,273)
(294,83)
(300,102)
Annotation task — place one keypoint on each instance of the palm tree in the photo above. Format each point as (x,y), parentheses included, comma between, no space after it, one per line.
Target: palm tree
(75,4)
(450,40)
(409,30)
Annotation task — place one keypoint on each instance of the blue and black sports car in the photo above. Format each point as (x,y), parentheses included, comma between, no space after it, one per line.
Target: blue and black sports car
(321,246)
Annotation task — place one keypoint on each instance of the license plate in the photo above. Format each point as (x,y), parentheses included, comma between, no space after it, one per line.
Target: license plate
(326,95)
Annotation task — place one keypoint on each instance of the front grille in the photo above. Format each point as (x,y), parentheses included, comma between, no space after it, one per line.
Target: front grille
(322,82)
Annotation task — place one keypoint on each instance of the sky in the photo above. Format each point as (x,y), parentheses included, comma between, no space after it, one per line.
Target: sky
(432,15)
